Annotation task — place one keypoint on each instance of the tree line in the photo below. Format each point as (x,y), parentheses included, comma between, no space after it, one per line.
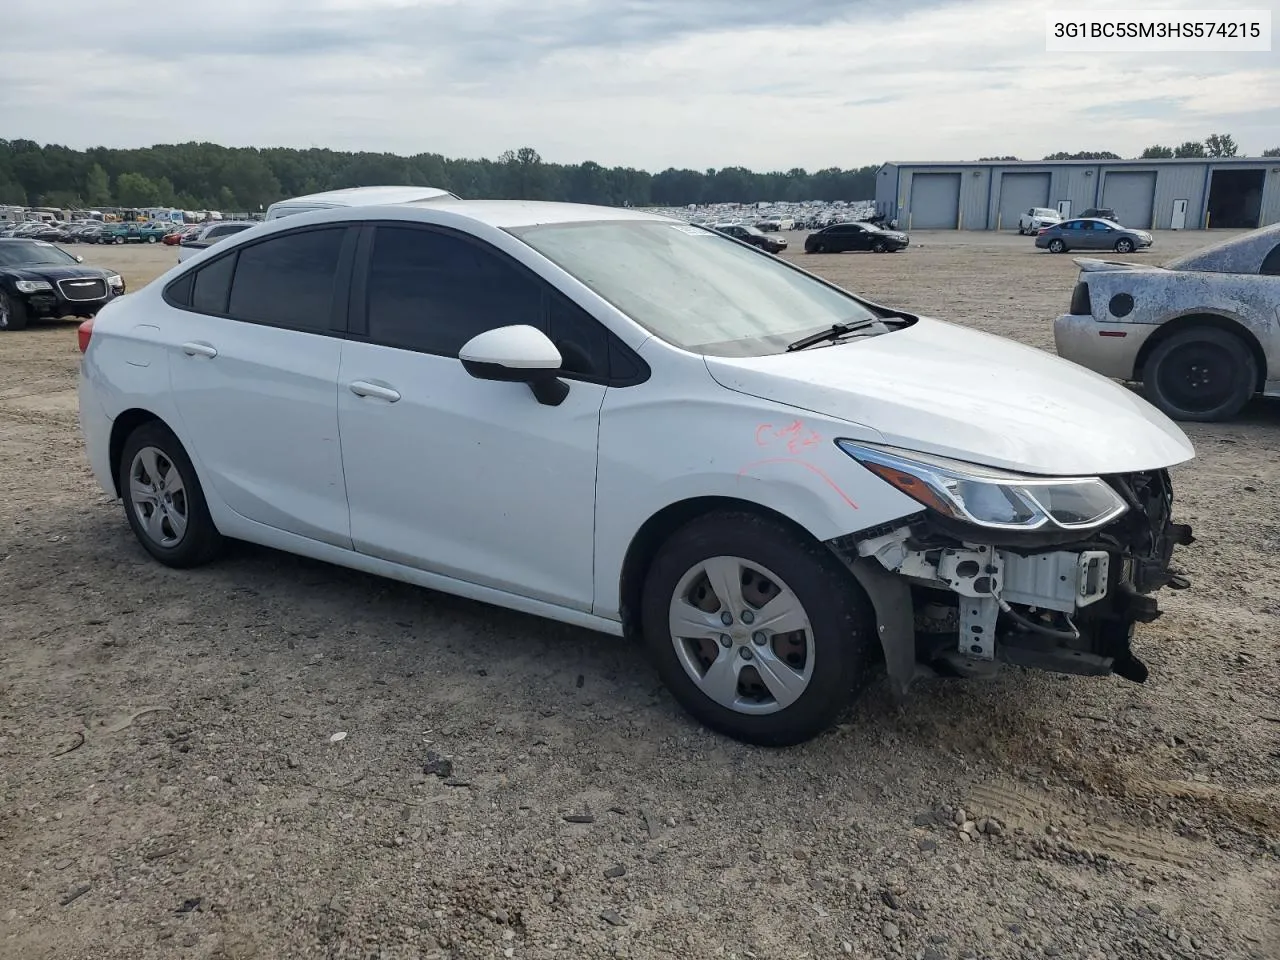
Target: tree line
(200,176)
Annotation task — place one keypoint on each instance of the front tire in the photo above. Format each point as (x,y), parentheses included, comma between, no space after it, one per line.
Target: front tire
(1057,246)
(163,500)
(1201,374)
(879,247)
(1124,245)
(13,313)
(799,636)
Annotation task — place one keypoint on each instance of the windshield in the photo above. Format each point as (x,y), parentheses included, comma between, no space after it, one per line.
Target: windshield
(1045,212)
(693,288)
(22,252)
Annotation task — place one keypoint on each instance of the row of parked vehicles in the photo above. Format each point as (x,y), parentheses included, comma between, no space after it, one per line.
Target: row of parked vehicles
(866,485)
(90,231)
(839,237)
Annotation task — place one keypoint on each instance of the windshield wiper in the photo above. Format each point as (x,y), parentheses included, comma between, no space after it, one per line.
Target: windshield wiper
(834,332)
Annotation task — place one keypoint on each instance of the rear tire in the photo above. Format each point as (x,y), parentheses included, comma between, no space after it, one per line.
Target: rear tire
(816,666)
(163,500)
(13,313)
(1200,374)
(1057,246)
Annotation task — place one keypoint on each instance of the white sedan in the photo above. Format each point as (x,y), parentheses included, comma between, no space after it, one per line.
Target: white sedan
(621,421)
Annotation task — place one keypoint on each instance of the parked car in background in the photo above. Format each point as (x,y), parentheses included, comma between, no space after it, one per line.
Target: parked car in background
(1100,213)
(617,420)
(134,232)
(183,234)
(752,235)
(210,234)
(39,280)
(840,237)
(1035,218)
(1200,333)
(1091,235)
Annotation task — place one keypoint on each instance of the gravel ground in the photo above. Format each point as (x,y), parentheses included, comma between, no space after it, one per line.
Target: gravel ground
(271,757)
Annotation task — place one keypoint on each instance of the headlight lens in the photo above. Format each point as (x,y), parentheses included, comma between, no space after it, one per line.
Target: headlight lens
(115,280)
(32,286)
(992,498)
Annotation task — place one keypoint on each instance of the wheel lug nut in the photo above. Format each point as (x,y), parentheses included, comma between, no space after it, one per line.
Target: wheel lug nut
(726,640)
(746,653)
(748,616)
(759,639)
(726,618)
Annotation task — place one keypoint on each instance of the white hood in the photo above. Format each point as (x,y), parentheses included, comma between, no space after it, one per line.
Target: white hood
(942,389)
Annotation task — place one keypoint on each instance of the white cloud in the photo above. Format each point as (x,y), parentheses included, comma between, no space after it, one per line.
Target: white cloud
(648,83)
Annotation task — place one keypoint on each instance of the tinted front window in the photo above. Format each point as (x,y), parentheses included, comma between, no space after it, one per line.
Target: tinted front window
(694,289)
(433,292)
(33,252)
(287,281)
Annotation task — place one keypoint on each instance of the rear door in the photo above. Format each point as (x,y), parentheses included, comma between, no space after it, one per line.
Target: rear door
(255,342)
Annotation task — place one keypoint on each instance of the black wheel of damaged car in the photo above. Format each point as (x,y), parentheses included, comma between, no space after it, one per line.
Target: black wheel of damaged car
(879,247)
(1202,373)
(1057,246)
(13,313)
(758,633)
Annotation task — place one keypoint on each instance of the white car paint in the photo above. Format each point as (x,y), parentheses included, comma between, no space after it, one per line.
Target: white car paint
(403,464)
(354,197)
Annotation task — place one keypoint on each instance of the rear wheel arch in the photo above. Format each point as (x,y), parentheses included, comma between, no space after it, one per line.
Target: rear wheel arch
(1191,321)
(655,531)
(121,429)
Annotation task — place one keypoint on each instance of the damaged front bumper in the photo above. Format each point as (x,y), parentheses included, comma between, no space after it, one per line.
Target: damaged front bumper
(952,600)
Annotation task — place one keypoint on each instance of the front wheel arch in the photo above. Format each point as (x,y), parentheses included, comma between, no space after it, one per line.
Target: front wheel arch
(655,531)
(1178,324)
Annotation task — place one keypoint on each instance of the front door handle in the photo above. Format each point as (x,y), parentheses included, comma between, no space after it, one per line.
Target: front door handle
(198,348)
(363,388)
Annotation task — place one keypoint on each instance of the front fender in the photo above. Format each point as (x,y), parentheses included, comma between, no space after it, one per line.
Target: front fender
(657,451)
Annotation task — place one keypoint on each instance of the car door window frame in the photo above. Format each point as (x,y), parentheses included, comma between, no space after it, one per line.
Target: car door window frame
(617,353)
(338,307)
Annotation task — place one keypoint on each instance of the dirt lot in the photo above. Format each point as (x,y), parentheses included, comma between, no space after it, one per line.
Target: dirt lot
(169,784)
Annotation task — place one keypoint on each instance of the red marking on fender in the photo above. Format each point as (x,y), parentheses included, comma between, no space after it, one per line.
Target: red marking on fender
(795,435)
(808,466)
(1112,333)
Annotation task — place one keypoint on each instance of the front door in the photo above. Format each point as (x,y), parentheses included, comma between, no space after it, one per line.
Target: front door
(254,354)
(472,479)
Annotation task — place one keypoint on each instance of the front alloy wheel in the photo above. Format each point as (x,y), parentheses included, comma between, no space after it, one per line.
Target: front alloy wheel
(741,635)
(758,631)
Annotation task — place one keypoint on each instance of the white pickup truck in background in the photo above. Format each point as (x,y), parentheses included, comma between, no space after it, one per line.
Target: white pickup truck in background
(1037,217)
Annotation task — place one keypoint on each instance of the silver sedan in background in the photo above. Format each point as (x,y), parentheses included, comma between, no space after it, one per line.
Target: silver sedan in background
(1091,234)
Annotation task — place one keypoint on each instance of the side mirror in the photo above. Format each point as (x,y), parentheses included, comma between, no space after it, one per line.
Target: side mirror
(517,354)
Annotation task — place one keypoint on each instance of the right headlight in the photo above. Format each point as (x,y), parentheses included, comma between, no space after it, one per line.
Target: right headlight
(32,286)
(987,497)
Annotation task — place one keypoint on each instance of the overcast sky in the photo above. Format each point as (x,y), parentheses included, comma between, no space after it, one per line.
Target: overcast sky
(647,83)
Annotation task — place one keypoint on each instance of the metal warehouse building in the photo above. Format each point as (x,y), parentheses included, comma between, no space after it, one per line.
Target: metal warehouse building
(1191,194)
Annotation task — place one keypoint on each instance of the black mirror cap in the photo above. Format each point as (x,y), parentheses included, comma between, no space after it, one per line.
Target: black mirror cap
(547,388)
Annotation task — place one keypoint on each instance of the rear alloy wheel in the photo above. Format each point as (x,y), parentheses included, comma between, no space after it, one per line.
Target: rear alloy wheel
(13,313)
(1057,246)
(1124,245)
(163,500)
(759,634)
(1203,374)
(119,239)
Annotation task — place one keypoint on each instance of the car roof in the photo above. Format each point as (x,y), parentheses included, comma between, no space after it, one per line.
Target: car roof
(527,213)
(1239,254)
(360,196)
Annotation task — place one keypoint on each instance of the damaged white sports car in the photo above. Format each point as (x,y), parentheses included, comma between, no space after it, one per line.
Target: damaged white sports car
(1201,333)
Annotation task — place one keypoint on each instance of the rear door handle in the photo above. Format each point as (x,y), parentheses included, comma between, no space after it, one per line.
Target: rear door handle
(197,348)
(363,388)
